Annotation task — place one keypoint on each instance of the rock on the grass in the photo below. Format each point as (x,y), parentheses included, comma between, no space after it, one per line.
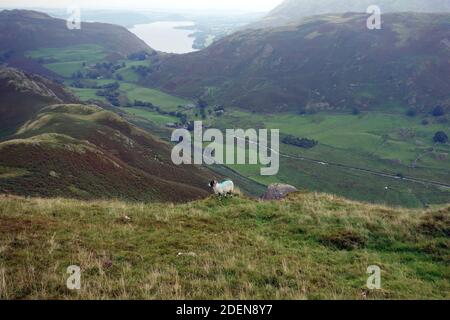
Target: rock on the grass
(278,191)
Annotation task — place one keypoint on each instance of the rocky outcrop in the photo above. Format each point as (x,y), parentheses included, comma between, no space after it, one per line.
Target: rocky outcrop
(278,191)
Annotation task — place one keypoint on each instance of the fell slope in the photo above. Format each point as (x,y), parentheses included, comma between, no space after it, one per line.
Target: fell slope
(23,95)
(89,153)
(330,62)
(292,11)
(53,148)
(24,30)
(310,246)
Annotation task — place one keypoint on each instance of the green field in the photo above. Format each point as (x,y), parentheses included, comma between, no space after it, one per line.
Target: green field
(158,98)
(153,116)
(66,61)
(85,52)
(128,73)
(387,137)
(387,143)
(87,94)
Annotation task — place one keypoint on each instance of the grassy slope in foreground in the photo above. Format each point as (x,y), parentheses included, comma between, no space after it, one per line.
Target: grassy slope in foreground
(309,246)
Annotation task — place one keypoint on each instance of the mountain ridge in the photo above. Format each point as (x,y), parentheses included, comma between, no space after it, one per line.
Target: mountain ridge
(292,11)
(328,62)
(59,148)
(37,30)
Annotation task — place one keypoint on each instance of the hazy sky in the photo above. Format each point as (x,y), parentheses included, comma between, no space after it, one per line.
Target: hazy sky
(238,5)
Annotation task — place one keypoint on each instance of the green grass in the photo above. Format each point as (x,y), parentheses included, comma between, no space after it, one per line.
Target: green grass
(135,92)
(89,53)
(375,141)
(311,246)
(361,135)
(158,98)
(87,94)
(65,69)
(153,116)
(66,61)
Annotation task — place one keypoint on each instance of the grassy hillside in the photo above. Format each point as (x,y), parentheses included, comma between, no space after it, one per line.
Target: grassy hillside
(331,62)
(310,246)
(86,152)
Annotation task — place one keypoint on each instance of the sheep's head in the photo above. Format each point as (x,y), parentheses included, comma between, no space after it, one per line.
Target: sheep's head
(213,183)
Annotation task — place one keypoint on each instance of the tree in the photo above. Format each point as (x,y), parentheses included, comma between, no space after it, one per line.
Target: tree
(438,111)
(440,137)
(356,111)
(411,112)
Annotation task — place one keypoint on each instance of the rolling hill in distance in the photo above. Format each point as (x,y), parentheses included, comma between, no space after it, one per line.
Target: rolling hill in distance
(330,62)
(292,11)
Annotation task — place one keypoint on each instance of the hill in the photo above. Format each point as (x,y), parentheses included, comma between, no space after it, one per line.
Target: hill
(89,153)
(54,148)
(309,246)
(292,11)
(24,30)
(330,62)
(22,95)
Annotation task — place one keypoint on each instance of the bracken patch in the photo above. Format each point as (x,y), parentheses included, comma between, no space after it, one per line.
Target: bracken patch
(344,240)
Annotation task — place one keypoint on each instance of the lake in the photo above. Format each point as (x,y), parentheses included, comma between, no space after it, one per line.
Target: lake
(164,36)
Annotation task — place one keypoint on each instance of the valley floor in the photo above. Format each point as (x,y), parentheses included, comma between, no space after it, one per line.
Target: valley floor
(309,246)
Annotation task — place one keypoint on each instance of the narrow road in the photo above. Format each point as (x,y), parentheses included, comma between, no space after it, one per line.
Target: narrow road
(373,172)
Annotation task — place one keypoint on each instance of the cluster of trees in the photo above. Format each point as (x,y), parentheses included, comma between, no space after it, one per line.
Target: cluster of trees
(139,56)
(142,71)
(104,69)
(143,104)
(111,93)
(300,142)
(411,112)
(437,112)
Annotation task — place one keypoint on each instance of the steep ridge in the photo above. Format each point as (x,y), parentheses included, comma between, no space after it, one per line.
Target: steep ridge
(22,95)
(84,151)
